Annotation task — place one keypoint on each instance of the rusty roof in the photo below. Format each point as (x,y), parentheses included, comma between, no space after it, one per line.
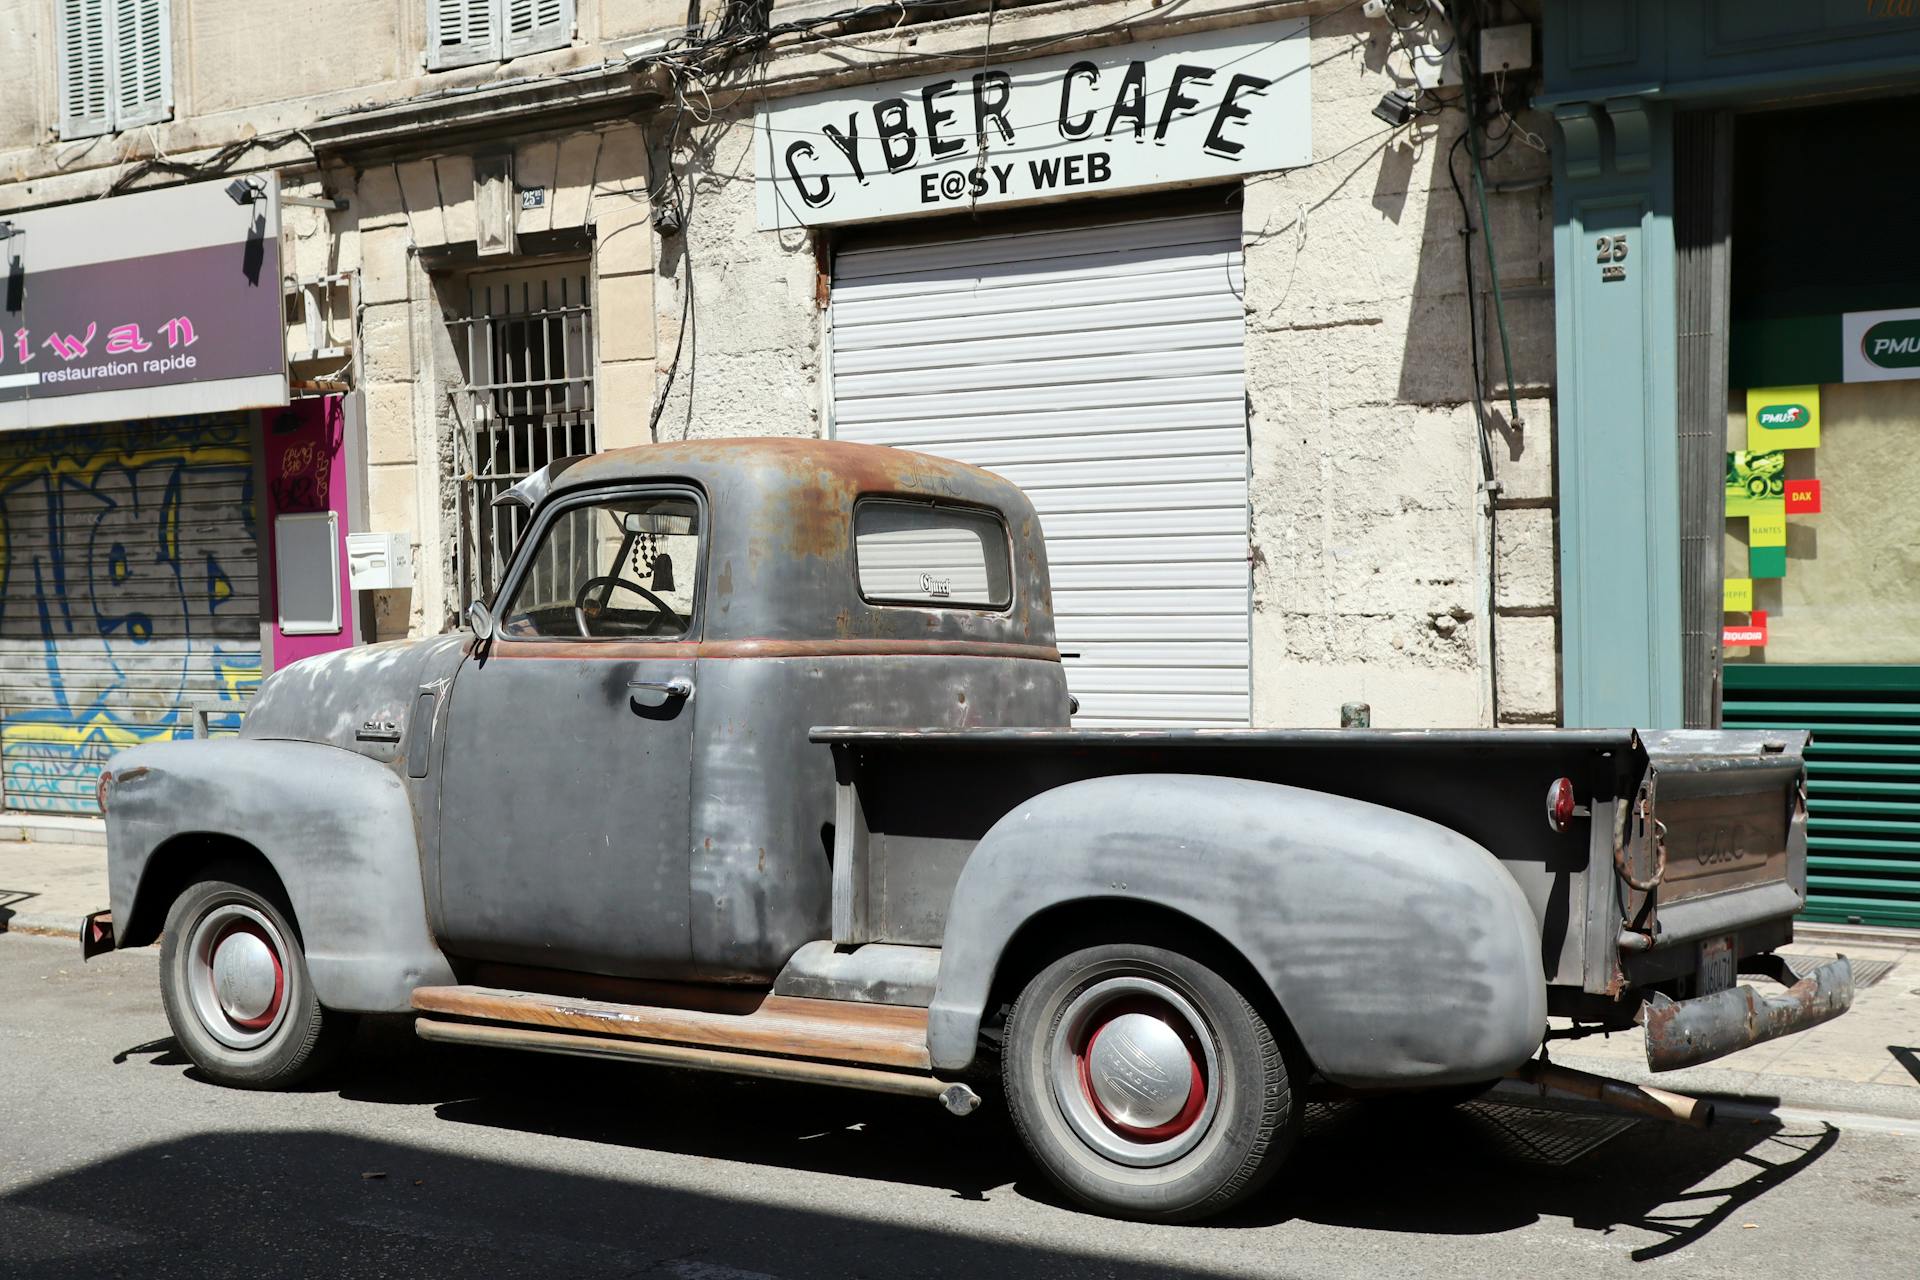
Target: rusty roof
(769,462)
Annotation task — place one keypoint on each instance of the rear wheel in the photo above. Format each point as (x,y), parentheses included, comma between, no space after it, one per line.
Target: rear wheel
(1146,1085)
(233,978)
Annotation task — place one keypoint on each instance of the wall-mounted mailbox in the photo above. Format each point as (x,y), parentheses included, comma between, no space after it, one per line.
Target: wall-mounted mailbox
(378,561)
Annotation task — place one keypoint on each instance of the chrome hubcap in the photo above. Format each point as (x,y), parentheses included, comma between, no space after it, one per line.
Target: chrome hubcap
(245,976)
(237,975)
(1134,1071)
(1140,1070)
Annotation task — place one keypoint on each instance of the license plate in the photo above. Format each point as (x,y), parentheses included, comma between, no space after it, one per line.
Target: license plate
(1717,963)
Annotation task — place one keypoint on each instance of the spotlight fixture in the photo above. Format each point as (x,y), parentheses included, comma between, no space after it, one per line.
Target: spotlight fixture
(244,191)
(7,230)
(1395,107)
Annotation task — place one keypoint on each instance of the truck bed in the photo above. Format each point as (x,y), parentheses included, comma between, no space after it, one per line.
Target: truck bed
(1710,820)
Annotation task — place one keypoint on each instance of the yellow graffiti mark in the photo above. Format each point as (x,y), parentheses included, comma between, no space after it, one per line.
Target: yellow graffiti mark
(240,679)
(100,727)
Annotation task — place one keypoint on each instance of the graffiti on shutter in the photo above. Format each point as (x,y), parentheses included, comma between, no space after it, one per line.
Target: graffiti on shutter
(130,594)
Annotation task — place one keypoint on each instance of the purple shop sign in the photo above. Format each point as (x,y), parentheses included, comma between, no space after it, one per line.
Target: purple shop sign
(184,313)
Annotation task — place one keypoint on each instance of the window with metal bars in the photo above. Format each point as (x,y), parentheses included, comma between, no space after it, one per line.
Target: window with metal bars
(526,349)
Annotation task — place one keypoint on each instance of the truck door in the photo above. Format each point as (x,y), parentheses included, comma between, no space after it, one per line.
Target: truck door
(564,783)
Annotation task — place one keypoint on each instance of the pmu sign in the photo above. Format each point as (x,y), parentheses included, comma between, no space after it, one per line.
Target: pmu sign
(1219,104)
(1880,346)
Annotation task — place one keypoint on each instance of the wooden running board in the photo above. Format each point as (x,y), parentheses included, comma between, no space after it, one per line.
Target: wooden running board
(827,1030)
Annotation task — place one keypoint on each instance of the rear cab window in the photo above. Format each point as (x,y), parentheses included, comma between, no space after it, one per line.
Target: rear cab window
(931,554)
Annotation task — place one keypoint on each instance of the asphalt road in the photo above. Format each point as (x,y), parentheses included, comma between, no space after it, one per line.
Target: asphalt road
(116,1161)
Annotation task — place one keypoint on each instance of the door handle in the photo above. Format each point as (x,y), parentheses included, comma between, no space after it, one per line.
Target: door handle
(678,687)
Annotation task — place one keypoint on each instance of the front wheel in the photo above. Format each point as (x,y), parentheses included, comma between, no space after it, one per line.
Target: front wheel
(233,978)
(1146,1085)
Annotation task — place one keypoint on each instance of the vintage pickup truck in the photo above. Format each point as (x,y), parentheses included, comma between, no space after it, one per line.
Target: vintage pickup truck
(614,818)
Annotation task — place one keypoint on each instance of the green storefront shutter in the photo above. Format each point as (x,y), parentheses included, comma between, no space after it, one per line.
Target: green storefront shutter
(1863,781)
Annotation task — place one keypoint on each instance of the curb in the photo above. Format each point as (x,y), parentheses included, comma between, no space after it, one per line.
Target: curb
(40,927)
(1756,1097)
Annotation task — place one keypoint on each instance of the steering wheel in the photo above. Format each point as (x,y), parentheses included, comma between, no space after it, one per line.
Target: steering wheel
(580,602)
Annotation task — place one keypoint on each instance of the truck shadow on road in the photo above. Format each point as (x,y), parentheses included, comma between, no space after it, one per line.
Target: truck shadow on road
(1494,1166)
(1487,1168)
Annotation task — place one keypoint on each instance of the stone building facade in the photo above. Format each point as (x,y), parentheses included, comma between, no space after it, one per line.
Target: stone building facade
(550,247)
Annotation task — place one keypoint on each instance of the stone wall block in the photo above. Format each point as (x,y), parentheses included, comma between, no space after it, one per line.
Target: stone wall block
(622,167)
(420,188)
(391,501)
(623,402)
(573,179)
(387,343)
(389,423)
(1529,670)
(623,235)
(1523,461)
(455,176)
(1527,559)
(623,317)
(377,201)
(534,165)
(383,272)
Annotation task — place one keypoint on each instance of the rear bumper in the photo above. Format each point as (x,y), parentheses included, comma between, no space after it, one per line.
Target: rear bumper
(1686,1033)
(96,934)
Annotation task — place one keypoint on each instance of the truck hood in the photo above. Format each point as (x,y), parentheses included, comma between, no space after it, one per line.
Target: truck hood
(359,699)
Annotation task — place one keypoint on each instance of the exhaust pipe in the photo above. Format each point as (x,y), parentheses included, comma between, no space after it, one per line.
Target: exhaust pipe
(1643,1100)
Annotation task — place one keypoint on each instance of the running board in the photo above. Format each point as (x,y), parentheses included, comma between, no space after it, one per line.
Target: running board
(957,1098)
(833,1031)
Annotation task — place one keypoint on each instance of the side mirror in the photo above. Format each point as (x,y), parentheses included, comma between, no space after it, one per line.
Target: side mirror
(479,621)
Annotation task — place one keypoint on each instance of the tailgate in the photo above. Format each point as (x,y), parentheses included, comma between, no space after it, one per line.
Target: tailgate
(1712,844)
(1727,812)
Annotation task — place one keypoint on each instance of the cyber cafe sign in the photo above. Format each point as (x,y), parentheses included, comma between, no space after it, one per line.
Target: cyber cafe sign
(1190,109)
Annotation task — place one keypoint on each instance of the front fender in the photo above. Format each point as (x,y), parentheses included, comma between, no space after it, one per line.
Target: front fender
(337,829)
(1401,952)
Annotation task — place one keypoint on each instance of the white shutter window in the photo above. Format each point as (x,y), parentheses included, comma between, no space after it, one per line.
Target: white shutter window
(534,25)
(461,33)
(83,44)
(142,67)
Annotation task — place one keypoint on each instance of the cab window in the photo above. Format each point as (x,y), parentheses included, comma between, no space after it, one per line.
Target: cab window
(927,553)
(622,568)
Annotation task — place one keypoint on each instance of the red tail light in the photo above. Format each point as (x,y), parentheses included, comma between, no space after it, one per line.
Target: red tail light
(1560,805)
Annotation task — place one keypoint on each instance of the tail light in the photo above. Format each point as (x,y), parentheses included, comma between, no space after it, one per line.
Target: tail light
(1561,809)
(102,787)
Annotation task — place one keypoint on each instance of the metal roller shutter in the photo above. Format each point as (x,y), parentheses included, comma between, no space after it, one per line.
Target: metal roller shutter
(131,593)
(1863,780)
(1101,369)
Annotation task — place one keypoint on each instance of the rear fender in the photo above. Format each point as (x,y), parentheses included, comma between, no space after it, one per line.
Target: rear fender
(1401,952)
(335,827)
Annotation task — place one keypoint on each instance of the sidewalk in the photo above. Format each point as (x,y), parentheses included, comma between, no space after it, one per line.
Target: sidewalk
(47,888)
(1868,1060)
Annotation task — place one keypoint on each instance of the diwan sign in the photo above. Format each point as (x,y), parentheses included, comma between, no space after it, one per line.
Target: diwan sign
(1213,105)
